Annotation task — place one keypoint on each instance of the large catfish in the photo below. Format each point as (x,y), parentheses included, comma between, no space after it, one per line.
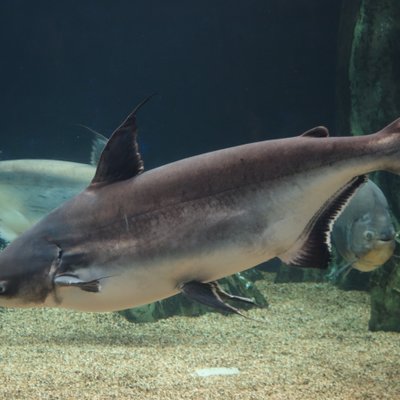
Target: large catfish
(133,237)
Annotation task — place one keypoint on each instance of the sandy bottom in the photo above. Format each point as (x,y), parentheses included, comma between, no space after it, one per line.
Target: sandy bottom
(314,344)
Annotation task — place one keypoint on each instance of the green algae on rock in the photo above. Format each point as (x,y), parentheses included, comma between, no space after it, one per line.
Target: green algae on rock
(374,68)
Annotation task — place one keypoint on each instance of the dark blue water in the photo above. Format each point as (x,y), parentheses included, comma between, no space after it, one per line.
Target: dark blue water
(226,72)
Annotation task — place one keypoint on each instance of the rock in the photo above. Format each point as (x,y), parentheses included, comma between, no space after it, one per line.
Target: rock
(385,299)
(373,101)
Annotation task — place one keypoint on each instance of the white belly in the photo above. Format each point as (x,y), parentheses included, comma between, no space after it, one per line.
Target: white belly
(138,285)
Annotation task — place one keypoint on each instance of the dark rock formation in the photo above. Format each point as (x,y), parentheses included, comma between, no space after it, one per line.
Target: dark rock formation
(374,100)
(385,298)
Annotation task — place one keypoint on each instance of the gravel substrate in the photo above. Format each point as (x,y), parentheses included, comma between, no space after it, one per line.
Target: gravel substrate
(312,343)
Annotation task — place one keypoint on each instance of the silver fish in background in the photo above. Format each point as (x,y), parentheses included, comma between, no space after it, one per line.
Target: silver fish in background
(134,237)
(364,234)
(31,188)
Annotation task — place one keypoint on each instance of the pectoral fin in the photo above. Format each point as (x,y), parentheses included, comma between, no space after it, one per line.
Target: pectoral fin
(73,280)
(211,294)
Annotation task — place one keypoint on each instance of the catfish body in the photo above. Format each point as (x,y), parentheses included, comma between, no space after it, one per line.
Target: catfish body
(133,237)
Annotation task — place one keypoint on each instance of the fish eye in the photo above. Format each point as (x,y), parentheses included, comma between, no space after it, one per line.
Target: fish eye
(3,287)
(368,235)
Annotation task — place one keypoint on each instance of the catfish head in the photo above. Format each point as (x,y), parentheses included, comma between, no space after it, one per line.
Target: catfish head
(27,267)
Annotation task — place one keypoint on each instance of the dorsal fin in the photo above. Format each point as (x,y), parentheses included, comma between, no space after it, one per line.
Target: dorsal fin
(318,132)
(312,249)
(120,159)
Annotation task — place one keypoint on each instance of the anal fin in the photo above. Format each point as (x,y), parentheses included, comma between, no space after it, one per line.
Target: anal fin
(313,248)
(212,295)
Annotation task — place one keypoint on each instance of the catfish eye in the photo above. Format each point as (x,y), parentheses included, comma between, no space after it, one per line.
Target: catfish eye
(3,287)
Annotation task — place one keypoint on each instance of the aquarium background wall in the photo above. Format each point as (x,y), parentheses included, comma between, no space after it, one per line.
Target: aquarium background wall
(225,73)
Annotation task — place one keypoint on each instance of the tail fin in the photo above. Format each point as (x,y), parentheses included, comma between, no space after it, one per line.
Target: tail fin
(393,127)
(390,146)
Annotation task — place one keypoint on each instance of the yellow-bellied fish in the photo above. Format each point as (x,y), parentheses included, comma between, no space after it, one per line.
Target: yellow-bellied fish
(364,234)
